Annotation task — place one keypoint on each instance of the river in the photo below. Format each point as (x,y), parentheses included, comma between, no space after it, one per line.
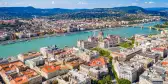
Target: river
(70,39)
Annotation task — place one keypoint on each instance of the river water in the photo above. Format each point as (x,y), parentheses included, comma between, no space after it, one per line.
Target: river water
(70,39)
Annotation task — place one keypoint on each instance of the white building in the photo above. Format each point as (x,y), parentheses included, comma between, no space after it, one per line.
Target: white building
(26,56)
(48,51)
(74,77)
(150,77)
(86,54)
(110,41)
(96,69)
(92,42)
(162,51)
(126,54)
(129,70)
(44,51)
(145,61)
(35,62)
(3,35)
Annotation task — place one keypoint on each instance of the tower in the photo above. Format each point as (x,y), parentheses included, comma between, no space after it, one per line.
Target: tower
(101,35)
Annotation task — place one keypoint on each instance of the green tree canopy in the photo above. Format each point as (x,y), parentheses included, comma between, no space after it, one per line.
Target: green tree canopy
(102,52)
(124,81)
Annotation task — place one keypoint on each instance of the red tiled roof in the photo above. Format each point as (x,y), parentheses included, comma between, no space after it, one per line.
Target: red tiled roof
(158,49)
(97,62)
(31,54)
(164,63)
(28,73)
(50,68)
(20,80)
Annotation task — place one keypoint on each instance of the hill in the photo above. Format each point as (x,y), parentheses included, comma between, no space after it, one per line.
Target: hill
(157,9)
(29,12)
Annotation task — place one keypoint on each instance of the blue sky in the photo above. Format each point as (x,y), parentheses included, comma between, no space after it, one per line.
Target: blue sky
(73,4)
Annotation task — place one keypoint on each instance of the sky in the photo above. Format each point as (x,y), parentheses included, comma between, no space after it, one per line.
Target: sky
(79,4)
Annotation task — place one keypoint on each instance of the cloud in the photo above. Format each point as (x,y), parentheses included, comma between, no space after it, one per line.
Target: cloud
(53,2)
(119,4)
(134,4)
(30,5)
(82,3)
(19,3)
(150,2)
(4,3)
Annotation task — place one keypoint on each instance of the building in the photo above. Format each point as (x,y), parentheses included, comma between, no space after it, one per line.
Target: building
(66,57)
(144,46)
(44,51)
(18,73)
(150,77)
(110,41)
(96,68)
(74,77)
(128,70)
(100,41)
(74,64)
(141,39)
(145,61)
(126,54)
(3,35)
(92,42)
(86,54)
(160,50)
(72,29)
(50,51)
(34,62)
(161,66)
(29,55)
(50,71)
(151,55)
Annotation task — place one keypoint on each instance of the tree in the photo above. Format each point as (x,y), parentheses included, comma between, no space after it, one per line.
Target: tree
(55,82)
(105,80)
(166,23)
(124,81)
(102,52)
(128,44)
(94,82)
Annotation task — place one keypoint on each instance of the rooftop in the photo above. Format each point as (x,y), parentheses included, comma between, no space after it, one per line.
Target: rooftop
(17,72)
(162,64)
(98,62)
(141,59)
(37,58)
(151,75)
(160,49)
(30,54)
(149,54)
(125,67)
(79,76)
(50,68)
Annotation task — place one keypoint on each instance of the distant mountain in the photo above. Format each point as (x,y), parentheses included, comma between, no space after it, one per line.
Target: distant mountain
(29,12)
(157,9)
(130,9)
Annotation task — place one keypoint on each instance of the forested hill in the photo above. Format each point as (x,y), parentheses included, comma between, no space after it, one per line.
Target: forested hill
(29,12)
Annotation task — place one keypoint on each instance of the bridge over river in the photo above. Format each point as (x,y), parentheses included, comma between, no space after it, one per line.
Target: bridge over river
(150,27)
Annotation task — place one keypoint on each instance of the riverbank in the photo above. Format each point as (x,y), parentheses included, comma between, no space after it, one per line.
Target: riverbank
(45,36)
(55,34)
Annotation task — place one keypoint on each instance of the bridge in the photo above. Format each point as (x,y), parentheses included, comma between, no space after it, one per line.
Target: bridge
(150,27)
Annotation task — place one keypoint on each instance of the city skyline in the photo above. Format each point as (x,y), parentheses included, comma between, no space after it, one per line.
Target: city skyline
(79,4)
